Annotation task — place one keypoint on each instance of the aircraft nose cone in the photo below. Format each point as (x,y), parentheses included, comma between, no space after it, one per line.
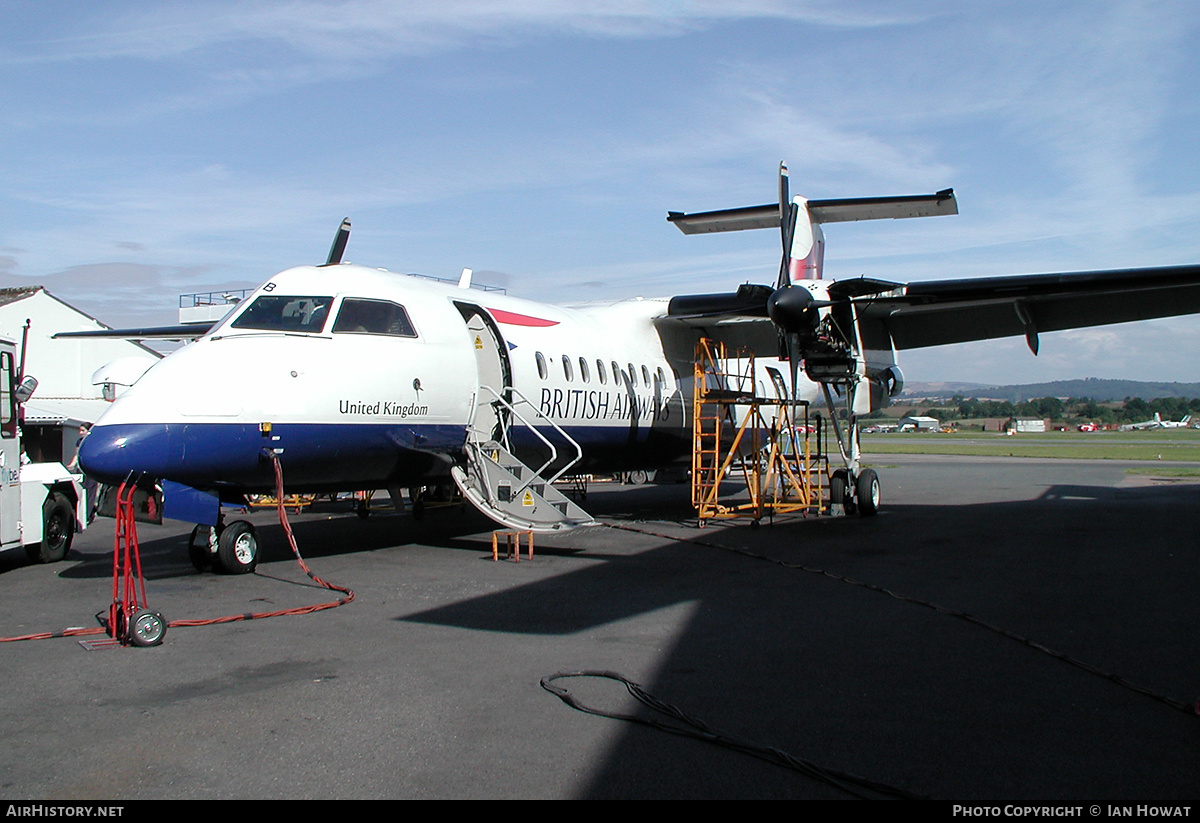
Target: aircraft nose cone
(111,453)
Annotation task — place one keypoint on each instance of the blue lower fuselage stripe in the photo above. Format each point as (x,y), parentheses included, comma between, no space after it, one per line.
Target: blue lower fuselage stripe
(340,456)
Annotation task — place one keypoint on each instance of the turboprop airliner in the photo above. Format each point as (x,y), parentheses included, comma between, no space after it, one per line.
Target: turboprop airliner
(361,378)
(1157,422)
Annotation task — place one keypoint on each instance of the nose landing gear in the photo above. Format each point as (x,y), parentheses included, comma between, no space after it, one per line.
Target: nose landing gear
(232,548)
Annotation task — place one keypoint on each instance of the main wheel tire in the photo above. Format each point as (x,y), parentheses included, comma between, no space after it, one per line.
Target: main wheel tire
(637,477)
(867,492)
(147,628)
(840,492)
(237,548)
(58,530)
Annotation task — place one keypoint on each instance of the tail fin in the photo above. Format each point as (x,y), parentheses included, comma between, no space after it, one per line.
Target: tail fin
(806,252)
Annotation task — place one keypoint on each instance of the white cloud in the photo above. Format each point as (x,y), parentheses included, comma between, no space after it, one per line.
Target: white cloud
(547,140)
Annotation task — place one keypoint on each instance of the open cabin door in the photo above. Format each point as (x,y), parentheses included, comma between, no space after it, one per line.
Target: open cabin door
(493,478)
(493,368)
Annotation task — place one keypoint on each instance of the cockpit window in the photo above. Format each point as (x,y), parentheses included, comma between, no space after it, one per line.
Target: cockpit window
(361,316)
(277,312)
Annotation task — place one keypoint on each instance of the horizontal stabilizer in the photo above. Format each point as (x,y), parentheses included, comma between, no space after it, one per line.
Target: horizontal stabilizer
(749,217)
(883,208)
(820,211)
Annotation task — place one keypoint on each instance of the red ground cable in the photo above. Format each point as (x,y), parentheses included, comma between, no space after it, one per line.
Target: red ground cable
(126,527)
(287,529)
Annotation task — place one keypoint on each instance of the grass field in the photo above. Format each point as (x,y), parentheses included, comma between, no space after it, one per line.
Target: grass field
(1176,445)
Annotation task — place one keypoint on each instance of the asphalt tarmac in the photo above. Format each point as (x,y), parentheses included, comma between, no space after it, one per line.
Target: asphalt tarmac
(1004,630)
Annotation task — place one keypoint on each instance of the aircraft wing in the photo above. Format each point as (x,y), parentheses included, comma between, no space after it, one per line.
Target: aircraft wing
(936,312)
(183,332)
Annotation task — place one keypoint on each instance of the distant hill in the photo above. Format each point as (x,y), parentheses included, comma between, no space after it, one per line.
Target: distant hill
(1091,387)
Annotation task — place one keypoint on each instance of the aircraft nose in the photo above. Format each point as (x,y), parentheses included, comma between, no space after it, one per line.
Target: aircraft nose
(111,453)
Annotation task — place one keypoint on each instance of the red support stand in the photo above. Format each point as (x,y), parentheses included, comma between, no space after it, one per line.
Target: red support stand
(130,619)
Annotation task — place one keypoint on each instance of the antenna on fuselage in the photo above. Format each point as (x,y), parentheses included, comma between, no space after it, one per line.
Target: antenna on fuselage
(339,244)
(464,280)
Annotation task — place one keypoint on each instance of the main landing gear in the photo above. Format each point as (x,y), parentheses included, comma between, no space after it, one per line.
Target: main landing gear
(231,549)
(855,489)
(856,495)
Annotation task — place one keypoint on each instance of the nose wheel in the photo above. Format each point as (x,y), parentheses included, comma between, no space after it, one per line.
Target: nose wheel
(232,548)
(237,548)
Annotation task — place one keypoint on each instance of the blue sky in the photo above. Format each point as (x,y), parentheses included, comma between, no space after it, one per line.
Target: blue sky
(152,149)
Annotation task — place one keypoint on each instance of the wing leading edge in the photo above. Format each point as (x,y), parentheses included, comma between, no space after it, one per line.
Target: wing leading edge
(183,332)
(937,312)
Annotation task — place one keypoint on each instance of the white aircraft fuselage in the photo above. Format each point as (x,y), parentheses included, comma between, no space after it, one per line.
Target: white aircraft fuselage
(388,402)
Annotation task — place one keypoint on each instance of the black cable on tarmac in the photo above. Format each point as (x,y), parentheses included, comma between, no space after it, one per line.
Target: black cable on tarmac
(684,725)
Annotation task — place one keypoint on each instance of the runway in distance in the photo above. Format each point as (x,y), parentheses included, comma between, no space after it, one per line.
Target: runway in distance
(360,378)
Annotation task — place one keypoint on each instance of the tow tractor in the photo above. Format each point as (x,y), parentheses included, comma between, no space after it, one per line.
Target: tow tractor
(42,505)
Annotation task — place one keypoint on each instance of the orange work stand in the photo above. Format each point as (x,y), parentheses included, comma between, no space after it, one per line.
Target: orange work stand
(512,542)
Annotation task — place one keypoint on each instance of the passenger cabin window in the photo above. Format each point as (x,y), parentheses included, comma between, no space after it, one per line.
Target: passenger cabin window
(567,369)
(583,371)
(361,316)
(600,372)
(645,376)
(279,312)
(632,375)
(541,364)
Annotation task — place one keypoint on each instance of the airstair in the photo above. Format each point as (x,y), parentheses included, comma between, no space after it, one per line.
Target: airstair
(502,486)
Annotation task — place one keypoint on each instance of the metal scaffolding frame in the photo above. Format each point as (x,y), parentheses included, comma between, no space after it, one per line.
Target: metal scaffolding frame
(737,434)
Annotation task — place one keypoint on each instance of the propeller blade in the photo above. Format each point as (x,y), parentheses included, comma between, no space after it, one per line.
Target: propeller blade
(787,216)
(339,244)
(793,352)
(785,203)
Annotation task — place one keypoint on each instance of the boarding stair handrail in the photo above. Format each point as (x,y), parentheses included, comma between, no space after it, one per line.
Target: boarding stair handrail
(511,407)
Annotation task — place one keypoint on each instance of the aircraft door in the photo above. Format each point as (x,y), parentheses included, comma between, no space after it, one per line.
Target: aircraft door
(493,367)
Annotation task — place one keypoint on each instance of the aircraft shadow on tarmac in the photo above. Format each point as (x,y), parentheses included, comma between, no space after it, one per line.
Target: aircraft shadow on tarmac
(319,534)
(803,658)
(329,530)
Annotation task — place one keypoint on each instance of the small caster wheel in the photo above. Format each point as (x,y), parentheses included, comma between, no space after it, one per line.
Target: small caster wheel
(147,628)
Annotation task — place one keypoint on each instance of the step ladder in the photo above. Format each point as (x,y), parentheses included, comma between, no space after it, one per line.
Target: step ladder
(715,390)
(762,441)
(507,490)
